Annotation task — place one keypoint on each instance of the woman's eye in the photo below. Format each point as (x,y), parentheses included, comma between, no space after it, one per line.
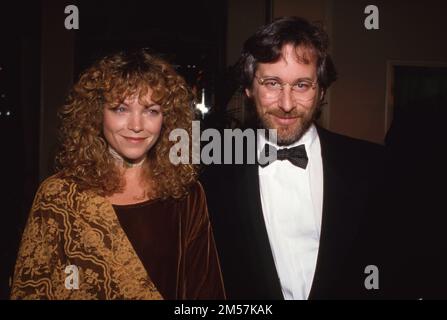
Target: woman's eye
(119,109)
(153,111)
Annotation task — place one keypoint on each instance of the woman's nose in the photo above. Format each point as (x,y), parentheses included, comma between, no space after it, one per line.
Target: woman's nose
(135,123)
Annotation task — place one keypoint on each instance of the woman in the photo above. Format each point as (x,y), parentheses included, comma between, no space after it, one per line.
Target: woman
(119,220)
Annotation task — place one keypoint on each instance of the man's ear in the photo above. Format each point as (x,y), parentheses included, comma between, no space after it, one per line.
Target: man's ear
(322,94)
(248,92)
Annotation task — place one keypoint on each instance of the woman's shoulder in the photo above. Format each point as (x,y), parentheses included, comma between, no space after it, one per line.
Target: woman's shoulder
(196,211)
(62,195)
(55,187)
(52,200)
(196,188)
(194,201)
(196,192)
(54,183)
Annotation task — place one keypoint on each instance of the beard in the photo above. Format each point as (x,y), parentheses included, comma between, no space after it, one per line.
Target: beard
(288,134)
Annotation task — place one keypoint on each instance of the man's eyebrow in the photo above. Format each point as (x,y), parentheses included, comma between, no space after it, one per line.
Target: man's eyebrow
(296,80)
(305,78)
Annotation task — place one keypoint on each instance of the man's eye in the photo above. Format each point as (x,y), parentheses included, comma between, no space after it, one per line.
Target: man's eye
(272,83)
(300,86)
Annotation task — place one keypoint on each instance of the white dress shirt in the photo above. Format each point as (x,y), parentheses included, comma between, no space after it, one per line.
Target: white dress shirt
(292,203)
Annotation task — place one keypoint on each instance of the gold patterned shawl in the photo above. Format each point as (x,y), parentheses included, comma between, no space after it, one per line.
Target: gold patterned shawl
(67,227)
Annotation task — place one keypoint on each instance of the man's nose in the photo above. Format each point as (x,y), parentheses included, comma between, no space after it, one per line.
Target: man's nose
(286,100)
(135,122)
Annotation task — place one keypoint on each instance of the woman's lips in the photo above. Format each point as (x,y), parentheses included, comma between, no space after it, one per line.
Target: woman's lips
(134,140)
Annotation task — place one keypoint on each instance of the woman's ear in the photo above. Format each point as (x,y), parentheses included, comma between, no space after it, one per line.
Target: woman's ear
(248,92)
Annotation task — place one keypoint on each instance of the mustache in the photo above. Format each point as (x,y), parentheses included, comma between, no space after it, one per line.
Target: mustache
(294,113)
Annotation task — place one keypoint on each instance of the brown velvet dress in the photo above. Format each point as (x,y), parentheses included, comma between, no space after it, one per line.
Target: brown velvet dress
(173,240)
(169,241)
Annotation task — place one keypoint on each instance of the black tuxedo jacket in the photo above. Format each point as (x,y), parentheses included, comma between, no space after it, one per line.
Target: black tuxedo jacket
(353,177)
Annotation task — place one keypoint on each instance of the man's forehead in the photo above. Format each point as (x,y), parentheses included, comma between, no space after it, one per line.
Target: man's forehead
(296,60)
(299,53)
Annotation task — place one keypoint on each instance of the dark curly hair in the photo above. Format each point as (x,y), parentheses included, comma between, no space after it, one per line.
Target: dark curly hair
(84,156)
(266,44)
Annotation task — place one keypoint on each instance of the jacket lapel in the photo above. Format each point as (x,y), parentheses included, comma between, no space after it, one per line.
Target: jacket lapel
(339,223)
(258,242)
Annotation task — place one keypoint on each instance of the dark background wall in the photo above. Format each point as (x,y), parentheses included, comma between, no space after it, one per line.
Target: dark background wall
(40,60)
(20,107)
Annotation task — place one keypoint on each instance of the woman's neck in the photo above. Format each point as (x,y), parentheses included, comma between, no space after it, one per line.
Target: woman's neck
(136,187)
(126,163)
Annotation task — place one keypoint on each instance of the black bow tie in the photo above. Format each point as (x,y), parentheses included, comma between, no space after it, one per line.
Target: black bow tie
(296,155)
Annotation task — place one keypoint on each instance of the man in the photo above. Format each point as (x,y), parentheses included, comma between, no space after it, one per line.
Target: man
(299,227)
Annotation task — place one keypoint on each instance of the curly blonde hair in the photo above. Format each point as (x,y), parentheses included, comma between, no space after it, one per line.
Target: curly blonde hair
(83,155)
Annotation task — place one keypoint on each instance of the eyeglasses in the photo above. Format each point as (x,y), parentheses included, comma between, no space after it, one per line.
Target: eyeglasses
(303,89)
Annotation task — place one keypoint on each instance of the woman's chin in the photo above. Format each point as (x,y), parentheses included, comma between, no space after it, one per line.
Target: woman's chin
(133,158)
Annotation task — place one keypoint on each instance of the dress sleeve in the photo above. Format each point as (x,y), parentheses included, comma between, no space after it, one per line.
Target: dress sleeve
(203,277)
(39,272)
